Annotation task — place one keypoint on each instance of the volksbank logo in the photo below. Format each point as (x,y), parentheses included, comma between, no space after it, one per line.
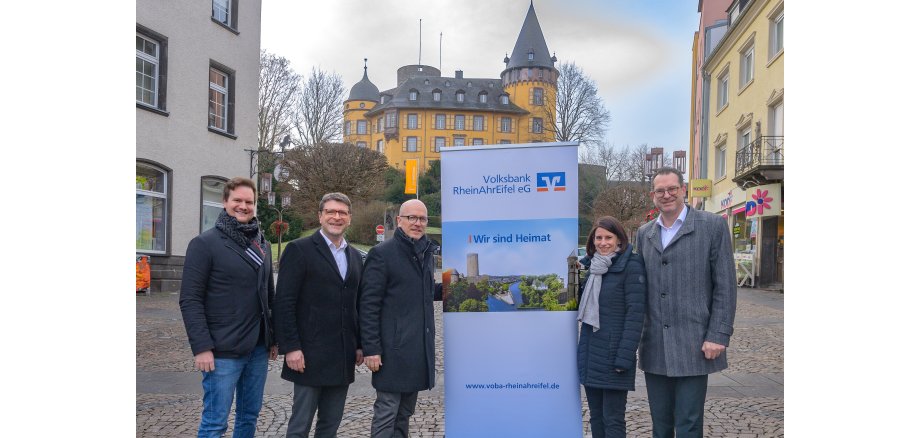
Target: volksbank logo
(550,181)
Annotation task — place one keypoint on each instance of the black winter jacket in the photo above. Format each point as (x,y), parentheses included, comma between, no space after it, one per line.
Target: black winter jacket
(622,311)
(396,313)
(225,297)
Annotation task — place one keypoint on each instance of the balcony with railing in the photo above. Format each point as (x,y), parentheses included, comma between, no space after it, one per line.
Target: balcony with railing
(760,162)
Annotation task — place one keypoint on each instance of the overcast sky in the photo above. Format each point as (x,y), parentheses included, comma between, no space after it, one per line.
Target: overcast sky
(638,51)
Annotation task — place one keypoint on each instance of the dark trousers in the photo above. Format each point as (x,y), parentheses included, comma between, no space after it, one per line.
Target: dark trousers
(676,404)
(391,414)
(328,400)
(608,412)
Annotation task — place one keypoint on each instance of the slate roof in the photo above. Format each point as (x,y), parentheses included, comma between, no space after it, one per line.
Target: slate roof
(399,97)
(530,38)
(364,90)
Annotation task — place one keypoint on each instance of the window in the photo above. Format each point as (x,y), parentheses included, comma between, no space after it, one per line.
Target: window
(150,209)
(436,95)
(530,56)
(747,66)
(776,34)
(380,124)
(720,162)
(460,96)
(504,99)
(224,12)
(362,127)
(440,121)
(459,141)
(439,142)
(212,201)
(477,141)
(537,125)
(347,128)
(723,89)
(413,95)
(744,137)
(504,142)
(459,122)
(538,96)
(412,121)
(484,97)
(219,101)
(478,123)
(380,146)
(411,144)
(506,124)
(391,119)
(147,78)
(362,144)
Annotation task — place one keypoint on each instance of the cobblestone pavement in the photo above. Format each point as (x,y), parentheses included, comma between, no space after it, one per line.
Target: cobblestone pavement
(746,400)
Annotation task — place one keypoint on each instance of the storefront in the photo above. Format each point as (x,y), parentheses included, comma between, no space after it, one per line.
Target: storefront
(754,217)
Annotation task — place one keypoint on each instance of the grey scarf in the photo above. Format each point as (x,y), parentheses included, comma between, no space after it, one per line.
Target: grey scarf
(588,309)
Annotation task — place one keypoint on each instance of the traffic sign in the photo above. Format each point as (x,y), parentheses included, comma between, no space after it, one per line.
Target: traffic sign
(379,229)
(380,237)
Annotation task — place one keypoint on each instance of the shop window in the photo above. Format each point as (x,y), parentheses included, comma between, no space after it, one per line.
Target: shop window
(150,209)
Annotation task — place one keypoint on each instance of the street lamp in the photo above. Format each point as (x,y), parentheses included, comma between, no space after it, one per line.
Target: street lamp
(285,203)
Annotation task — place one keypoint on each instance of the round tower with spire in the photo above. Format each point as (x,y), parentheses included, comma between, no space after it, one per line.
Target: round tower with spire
(529,79)
(363,97)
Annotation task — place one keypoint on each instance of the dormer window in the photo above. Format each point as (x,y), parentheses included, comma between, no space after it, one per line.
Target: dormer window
(427,81)
(483,97)
(413,95)
(504,99)
(460,96)
(530,55)
(383,98)
(436,95)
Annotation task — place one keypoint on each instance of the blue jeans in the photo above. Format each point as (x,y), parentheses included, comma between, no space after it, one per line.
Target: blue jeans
(246,377)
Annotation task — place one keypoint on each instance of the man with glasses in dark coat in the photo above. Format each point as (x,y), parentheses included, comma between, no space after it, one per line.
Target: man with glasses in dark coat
(315,321)
(396,312)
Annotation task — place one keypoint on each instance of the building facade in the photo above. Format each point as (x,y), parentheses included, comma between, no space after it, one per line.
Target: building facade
(427,111)
(742,147)
(197,76)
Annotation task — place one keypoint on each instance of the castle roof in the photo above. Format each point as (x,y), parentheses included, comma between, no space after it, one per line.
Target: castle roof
(530,40)
(425,86)
(364,89)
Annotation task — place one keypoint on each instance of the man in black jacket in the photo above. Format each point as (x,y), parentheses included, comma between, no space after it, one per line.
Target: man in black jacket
(315,321)
(397,320)
(226,297)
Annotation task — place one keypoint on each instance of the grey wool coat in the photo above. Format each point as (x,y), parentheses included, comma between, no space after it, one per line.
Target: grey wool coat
(691,295)
(621,307)
(396,313)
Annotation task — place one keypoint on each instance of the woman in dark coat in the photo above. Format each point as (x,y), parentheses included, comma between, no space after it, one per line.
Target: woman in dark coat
(611,312)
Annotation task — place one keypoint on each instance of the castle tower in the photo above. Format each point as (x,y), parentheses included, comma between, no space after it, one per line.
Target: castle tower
(356,128)
(529,79)
(472,264)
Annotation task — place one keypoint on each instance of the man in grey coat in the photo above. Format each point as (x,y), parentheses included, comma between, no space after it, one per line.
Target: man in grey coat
(396,314)
(690,307)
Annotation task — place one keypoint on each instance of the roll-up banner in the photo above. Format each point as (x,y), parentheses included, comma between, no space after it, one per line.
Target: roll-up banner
(510,222)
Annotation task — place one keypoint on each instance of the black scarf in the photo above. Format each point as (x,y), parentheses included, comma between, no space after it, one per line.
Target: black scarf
(419,247)
(245,235)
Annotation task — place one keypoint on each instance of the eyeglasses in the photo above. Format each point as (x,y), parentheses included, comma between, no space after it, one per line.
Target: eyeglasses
(342,213)
(671,191)
(414,219)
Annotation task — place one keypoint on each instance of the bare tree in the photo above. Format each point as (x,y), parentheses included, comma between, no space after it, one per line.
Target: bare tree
(318,116)
(580,113)
(628,201)
(278,87)
(333,167)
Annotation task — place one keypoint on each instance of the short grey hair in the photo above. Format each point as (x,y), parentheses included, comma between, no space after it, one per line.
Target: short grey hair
(334,196)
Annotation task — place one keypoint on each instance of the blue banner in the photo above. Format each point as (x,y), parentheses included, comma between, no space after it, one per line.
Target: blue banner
(509,224)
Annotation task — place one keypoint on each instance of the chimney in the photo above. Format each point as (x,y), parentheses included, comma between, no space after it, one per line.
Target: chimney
(458,74)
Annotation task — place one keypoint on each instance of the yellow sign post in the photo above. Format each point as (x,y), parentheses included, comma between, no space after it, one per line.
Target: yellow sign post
(412,176)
